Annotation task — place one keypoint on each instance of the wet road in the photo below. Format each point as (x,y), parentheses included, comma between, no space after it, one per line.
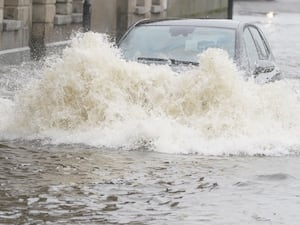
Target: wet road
(76,185)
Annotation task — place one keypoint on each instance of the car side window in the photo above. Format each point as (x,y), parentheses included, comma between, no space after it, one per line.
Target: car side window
(250,48)
(260,43)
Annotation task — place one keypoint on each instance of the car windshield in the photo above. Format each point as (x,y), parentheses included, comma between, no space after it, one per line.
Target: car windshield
(176,42)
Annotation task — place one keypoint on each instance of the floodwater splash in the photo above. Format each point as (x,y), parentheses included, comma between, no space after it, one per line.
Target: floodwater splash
(93,96)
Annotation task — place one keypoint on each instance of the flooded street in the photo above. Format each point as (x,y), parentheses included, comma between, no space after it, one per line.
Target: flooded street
(75,150)
(76,185)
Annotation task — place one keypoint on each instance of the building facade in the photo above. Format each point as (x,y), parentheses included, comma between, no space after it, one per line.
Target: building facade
(28,26)
(115,16)
(33,25)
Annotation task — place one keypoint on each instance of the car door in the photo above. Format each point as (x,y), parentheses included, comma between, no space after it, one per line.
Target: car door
(260,59)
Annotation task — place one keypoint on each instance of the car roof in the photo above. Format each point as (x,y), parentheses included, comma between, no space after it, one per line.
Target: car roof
(225,23)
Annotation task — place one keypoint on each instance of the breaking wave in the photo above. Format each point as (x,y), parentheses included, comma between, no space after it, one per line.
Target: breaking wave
(92,96)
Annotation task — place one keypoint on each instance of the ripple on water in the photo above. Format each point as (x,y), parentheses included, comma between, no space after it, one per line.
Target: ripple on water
(275,177)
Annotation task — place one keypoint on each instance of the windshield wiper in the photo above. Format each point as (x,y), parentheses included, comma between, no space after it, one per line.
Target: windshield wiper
(170,61)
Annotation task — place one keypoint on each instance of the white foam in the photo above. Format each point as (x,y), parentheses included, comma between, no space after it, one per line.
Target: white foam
(93,96)
(6,112)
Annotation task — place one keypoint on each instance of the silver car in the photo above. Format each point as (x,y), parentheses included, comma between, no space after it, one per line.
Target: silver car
(180,41)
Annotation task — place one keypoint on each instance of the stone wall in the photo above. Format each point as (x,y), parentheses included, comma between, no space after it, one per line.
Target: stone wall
(15,20)
(131,11)
(198,9)
(53,21)
(34,24)
(104,16)
(115,16)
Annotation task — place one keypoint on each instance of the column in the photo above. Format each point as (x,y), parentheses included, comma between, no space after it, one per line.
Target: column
(143,7)
(18,10)
(64,9)
(77,11)
(43,13)
(16,23)
(159,8)
(77,6)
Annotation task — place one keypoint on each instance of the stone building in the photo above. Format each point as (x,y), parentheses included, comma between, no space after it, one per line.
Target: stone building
(34,25)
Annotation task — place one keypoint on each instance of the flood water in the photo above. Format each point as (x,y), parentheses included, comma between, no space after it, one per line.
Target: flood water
(91,139)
